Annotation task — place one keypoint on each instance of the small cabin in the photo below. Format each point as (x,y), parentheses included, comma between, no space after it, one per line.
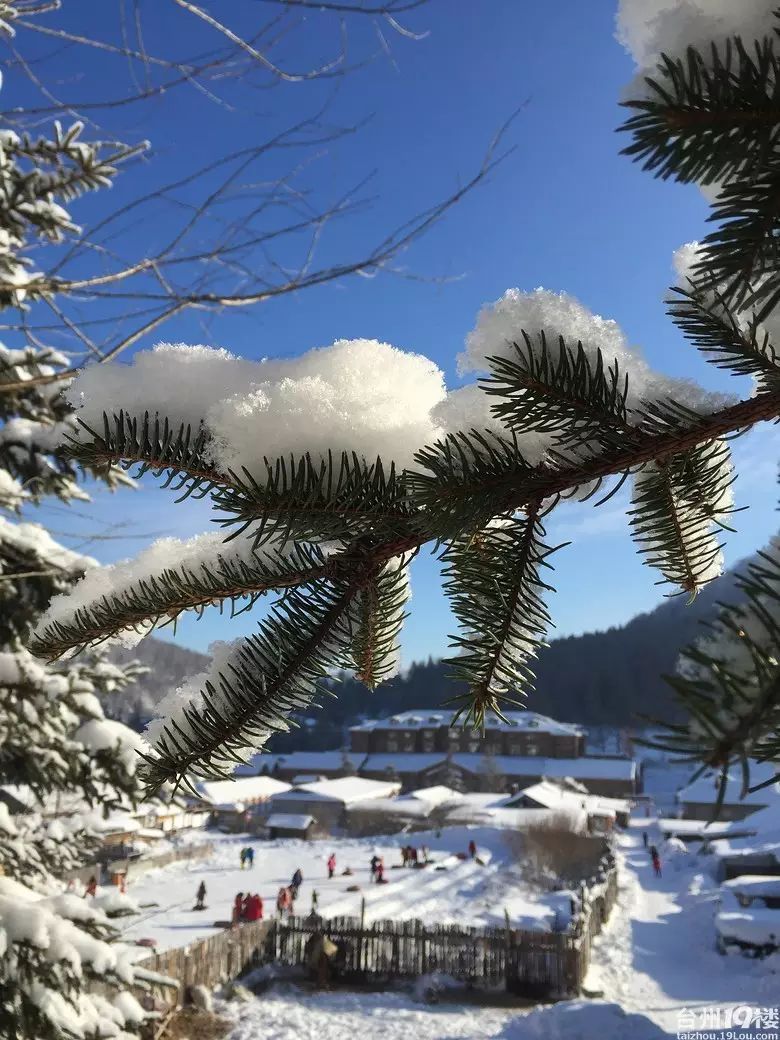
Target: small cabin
(290,825)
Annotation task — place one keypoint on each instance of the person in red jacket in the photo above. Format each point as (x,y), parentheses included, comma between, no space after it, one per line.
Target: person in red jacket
(472,848)
(255,908)
(331,864)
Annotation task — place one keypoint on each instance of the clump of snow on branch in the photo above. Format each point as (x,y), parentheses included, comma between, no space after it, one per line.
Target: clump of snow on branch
(171,710)
(356,395)
(649,28)
(100,584)
(502,323)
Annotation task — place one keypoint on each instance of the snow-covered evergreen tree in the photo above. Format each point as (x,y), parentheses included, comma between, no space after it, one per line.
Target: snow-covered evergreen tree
(58,753)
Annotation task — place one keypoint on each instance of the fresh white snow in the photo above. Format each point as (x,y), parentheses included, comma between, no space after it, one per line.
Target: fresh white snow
(465,891)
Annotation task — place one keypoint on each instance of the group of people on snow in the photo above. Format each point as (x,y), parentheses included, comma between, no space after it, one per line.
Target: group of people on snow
(247,907)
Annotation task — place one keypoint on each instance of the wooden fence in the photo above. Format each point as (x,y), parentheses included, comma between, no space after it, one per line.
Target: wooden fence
(219,958)
(528,963)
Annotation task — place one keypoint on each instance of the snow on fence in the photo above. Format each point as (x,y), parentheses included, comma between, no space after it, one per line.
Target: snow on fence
(529,963)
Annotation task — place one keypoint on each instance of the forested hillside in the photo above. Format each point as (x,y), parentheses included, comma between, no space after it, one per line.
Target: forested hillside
(601,678)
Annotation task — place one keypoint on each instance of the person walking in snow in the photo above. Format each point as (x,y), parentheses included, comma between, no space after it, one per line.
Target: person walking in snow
(297,881)
(375,861)
(644,838)
(656,863)
(331,865)
(250,857)
(472,849)
(315,900)
(379,874)
(413,855)
(243,858)
(200,896)
(91,887)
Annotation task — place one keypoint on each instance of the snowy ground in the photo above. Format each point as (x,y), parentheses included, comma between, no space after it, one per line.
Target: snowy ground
(656,958)
(466,891)
(293,1014)
(657,955)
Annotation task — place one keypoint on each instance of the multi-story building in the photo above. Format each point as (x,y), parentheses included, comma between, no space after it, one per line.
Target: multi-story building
(423,748)
(519,733)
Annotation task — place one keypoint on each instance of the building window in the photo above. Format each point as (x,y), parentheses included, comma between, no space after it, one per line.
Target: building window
(392,742)
(473,745)
(428,741)
(408,741)
(531,749)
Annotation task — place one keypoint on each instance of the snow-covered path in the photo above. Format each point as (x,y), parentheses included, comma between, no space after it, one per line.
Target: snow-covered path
(657,955)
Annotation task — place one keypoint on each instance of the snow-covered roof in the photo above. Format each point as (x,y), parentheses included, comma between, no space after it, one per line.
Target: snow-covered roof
(227,793)
(584,768)
(115,824)
(551,795)
(422,718)
(346,789)
(411,762)
(438,794)
(409,808)
(704,789)
(289,821)
(498,815)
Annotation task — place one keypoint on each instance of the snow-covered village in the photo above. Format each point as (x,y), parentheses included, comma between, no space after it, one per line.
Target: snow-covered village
(389,564)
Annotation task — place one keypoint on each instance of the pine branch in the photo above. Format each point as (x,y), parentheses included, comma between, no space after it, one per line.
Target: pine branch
(335,498)
(241,579)
(152,445)
(673,505)
(380,617)
(562,392)
(742,254)
(272,674)
(742,347)
(493,580)
(459,488)
(708,118)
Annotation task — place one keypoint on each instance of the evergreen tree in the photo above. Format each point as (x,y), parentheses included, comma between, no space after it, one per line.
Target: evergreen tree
(329,512)
(57,748)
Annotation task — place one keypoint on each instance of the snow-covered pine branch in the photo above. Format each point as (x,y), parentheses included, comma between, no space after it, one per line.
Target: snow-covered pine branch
(419,464)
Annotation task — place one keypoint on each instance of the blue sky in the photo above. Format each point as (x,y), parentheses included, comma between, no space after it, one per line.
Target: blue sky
(565,211)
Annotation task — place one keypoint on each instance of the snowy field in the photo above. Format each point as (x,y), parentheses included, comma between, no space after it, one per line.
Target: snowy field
(291,1014)
(464,891)
(654,963)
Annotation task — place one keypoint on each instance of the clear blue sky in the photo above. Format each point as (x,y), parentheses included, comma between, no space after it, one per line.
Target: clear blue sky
(564,211)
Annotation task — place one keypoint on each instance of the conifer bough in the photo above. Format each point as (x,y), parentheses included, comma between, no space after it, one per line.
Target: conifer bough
(329,472)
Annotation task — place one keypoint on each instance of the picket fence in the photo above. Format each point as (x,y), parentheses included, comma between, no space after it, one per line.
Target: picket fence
(542,965)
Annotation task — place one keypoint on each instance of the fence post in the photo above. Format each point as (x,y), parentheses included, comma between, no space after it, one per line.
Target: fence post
(507,953)
(360,943)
